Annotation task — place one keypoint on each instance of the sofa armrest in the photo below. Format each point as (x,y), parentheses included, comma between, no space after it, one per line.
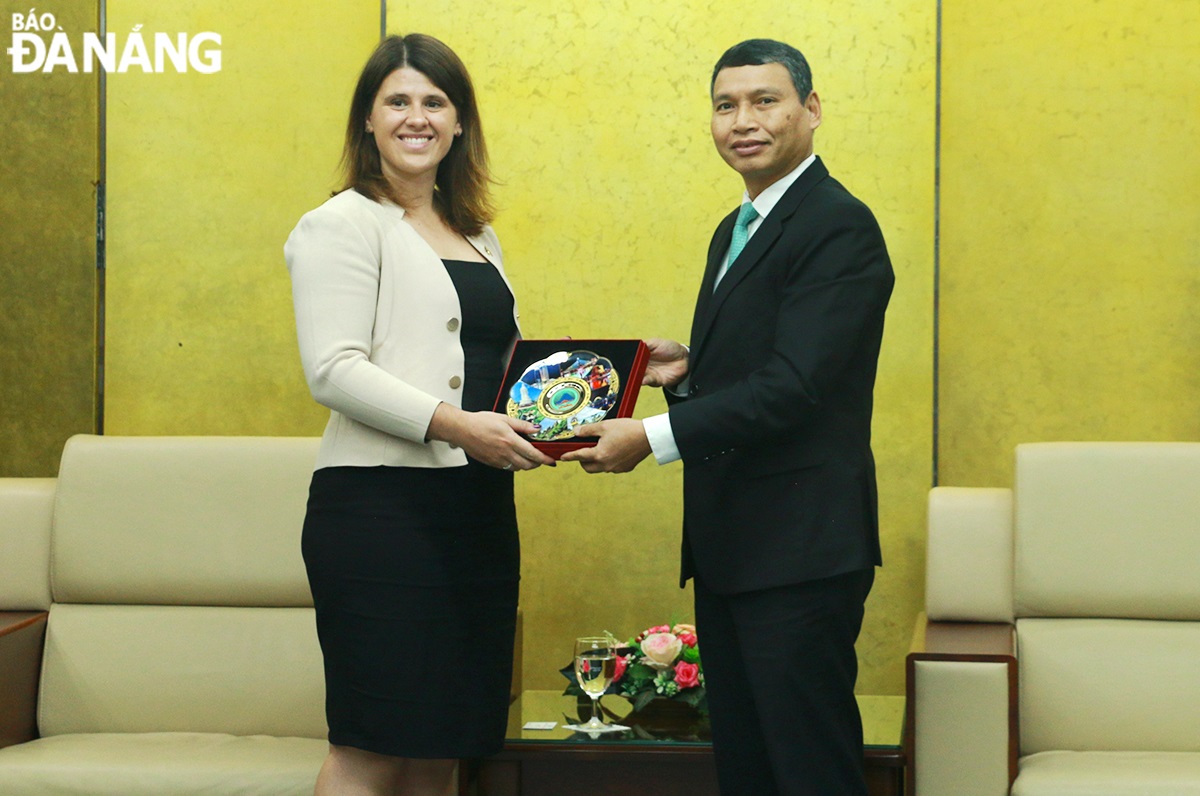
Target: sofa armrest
(969,555)
(961,731)
(22,636)
(26,512)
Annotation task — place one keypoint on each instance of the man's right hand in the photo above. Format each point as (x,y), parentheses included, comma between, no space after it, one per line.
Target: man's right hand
(668,363)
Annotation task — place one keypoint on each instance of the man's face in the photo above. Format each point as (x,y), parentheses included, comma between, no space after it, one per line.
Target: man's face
(761,127)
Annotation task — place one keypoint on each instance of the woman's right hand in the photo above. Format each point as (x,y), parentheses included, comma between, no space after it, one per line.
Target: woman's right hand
(488,437)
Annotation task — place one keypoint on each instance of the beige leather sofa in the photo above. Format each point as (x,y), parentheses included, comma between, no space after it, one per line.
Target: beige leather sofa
(157,617)
(1061,654)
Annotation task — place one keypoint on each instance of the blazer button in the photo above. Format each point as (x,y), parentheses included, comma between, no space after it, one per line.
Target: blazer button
(452,325)
(455,382)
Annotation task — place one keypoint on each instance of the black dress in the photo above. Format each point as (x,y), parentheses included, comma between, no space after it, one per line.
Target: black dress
(414,574)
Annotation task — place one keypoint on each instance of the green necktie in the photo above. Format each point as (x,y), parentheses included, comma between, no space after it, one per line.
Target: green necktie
(741,231)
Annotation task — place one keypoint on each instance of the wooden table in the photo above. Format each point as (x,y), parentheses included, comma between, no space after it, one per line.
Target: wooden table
(665,755)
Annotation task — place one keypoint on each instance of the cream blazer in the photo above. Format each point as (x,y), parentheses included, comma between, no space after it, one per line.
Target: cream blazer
(378,322)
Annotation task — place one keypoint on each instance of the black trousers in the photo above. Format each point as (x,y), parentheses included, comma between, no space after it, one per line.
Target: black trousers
(779,668)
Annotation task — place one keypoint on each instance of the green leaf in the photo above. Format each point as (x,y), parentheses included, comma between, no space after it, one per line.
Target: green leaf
(640,672)
(643,699)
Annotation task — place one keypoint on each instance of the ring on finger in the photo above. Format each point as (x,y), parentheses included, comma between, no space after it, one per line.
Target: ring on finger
(508,466)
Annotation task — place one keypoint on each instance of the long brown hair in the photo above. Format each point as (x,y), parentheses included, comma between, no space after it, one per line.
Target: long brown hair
(461,187)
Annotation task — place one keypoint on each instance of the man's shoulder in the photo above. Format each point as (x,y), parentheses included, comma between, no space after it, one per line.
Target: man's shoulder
(831,189)
(830,196)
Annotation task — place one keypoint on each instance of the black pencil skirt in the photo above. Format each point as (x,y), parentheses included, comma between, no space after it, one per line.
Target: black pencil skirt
(414,575)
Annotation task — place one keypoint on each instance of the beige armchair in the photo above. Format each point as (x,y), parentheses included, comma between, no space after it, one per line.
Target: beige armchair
(156,634)
(1061,650)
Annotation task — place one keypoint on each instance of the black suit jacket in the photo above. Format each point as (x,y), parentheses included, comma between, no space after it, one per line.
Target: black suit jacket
(775,430)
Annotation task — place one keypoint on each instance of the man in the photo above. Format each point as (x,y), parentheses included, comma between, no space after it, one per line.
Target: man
(770,411)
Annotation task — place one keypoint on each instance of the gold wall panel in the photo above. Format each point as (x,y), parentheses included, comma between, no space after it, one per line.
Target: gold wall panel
(48,171)
(1070,228)
(1068,239)
(207,175)
(597,118)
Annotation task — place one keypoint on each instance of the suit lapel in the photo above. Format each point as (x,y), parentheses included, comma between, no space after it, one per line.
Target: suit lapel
(716,252)
(708,305)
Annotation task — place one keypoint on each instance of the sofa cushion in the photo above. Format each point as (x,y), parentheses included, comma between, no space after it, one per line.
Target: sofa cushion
(1107,529)
(1109,685)
(161,764)
(244,671)
(1109,774)
(181,520)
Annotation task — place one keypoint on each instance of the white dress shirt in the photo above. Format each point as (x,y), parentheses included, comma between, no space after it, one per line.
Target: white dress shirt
(658,427)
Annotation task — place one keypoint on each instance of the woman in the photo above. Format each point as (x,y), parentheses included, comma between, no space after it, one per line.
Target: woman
(405,318)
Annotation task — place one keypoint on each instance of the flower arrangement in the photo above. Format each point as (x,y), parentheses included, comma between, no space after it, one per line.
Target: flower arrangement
(661,662)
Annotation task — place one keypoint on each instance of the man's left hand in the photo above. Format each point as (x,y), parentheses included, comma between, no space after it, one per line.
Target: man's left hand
(622,445)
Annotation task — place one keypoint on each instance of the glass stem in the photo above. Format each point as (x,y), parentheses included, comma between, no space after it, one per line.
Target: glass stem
(596,710)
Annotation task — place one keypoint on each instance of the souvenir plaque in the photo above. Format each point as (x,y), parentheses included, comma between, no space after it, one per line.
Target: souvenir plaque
(561,385)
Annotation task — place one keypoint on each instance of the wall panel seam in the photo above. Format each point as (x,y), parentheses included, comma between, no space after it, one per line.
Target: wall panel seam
(101,225)
(937,262)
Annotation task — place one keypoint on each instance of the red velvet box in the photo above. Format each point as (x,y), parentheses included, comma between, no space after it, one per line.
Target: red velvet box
(564,384)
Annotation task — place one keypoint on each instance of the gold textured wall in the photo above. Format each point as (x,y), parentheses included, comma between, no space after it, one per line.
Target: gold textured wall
(207,174)
(1070,227)
(1068,248)
(48,171)
(597,117)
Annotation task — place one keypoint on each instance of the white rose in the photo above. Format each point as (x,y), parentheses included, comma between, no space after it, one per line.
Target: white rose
(661,649)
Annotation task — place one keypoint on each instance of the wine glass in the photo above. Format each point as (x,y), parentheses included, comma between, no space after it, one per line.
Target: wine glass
(595,665)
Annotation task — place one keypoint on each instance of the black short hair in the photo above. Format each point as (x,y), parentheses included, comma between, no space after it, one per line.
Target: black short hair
(756,52)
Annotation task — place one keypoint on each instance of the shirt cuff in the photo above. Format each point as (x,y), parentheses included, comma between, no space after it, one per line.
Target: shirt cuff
(662,438)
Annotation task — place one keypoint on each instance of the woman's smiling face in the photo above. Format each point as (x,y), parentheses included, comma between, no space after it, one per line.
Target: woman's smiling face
(414,124)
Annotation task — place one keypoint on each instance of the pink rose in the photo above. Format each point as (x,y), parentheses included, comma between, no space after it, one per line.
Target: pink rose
(661,649)
(650,631)
(686,633)
(619,672)
(687,675)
